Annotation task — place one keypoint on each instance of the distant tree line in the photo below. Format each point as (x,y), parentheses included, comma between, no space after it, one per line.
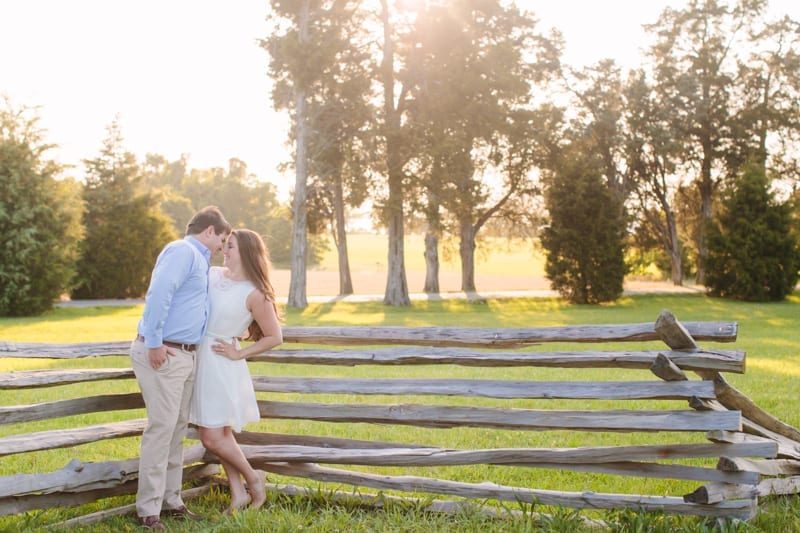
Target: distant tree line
(460,116)
(99,238)
(460,119)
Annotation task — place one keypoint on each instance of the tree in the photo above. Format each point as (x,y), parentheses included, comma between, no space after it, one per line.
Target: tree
(340,138)
(695,69)
(753,249)
(470,72)
(292,49)
(40,218)
(123,233)
(652,157)
(768,119)
(305,48)
(600,109)
(396,293)
(164,181)
(246,201)
(584,243)
(769,90)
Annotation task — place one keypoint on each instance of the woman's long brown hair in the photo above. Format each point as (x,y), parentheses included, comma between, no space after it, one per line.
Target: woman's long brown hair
(256,265)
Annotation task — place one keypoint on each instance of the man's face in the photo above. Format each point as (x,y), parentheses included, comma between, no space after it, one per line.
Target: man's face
(217,241)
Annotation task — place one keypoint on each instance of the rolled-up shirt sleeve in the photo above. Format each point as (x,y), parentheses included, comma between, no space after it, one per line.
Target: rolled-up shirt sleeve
(173,267)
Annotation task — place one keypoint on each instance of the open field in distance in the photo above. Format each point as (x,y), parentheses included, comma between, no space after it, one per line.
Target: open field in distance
(500,265)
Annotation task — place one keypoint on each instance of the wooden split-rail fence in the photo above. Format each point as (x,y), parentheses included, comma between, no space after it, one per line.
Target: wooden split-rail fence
(755,454)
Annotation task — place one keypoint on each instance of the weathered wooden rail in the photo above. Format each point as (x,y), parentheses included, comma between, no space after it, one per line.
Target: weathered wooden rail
(757,455)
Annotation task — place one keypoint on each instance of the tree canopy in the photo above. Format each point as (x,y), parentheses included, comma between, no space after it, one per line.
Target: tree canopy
(40,218)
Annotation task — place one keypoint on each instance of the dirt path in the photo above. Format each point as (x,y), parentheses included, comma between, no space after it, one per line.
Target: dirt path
(370,285)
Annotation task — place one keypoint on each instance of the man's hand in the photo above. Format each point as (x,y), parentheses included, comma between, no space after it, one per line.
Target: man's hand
(158,356)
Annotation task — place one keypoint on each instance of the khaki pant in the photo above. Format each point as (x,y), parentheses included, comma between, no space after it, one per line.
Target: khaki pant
(167,393)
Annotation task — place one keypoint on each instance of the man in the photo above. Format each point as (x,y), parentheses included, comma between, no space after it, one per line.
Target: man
(162,356)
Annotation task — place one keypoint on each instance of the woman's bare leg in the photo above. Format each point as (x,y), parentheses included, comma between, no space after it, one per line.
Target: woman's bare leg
(223,444)
(239,496)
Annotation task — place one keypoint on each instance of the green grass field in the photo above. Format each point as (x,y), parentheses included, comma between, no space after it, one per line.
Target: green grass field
(766,333)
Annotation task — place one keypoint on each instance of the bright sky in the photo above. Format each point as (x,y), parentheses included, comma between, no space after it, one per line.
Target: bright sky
(187,76)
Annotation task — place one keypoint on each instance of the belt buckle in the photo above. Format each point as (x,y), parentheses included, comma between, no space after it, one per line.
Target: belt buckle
(184,346)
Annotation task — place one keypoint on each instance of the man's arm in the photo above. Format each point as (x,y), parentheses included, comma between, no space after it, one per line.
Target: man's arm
(172,269)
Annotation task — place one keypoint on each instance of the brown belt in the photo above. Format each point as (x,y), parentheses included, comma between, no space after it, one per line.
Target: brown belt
(179,345)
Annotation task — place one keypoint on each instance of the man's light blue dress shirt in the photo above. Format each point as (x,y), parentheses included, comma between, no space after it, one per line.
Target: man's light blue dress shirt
(176,305)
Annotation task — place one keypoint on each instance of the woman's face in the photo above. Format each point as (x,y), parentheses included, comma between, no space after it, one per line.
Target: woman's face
(230,251)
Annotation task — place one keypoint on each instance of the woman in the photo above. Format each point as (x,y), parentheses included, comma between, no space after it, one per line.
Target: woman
(242,297)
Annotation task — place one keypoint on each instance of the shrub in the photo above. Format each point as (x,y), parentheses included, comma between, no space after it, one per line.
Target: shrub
(753,249)
(584,242)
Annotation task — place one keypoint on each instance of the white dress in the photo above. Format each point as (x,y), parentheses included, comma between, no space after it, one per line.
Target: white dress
(223,389)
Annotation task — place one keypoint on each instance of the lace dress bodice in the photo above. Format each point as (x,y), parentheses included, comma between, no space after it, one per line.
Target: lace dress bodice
(229,315)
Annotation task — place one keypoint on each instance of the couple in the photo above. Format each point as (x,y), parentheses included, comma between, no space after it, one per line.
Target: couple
(190,366)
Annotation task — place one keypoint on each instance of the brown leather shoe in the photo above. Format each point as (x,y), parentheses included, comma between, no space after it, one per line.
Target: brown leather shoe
(152,522)
(181,512)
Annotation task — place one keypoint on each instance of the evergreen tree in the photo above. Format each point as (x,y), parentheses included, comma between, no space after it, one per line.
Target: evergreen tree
(124,234)
(584,242)
(753,248)
(40,219)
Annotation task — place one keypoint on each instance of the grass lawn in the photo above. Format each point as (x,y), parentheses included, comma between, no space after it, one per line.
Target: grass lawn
(767,332)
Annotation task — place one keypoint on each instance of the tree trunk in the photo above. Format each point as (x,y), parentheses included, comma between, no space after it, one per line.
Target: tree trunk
(762,127)
(676,264)
(297,285)
(340,237)
(431,262)
(706,182)
(467,251)
(396,283)
(706,191)
(674,249)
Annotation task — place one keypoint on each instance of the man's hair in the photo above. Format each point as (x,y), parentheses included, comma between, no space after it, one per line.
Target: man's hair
(208,216)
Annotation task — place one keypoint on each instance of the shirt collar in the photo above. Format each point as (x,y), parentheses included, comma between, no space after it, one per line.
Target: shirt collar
(200,246)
